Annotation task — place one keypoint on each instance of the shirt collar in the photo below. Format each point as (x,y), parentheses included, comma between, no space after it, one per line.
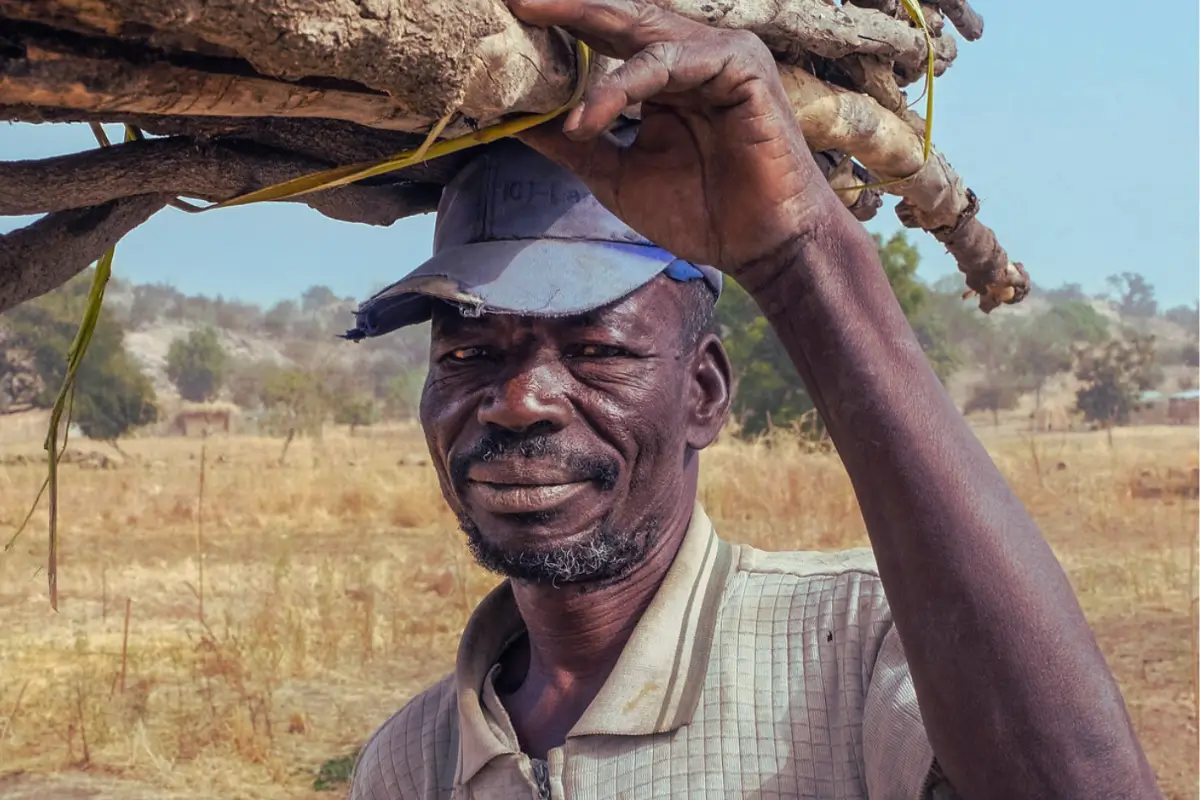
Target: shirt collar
(655,685)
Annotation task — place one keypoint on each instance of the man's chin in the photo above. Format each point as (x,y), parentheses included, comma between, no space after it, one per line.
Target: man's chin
(553,549)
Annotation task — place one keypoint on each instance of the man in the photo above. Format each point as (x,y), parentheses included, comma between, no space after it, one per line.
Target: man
(574,379)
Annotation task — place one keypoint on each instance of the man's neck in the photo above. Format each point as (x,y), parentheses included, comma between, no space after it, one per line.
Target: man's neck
(575,636)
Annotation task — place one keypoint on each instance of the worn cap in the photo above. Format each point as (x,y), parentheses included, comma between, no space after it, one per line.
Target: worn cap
(517,234)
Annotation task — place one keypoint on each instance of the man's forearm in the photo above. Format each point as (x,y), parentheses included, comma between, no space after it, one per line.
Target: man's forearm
(1016,697)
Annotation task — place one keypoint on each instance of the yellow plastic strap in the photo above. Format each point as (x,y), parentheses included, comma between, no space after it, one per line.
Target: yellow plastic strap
(65,400)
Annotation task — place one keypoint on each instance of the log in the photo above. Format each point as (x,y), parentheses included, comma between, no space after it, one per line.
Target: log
(43,256)
(253,92)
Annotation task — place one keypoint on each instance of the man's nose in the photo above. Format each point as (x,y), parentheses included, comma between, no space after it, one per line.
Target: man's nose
(532,396)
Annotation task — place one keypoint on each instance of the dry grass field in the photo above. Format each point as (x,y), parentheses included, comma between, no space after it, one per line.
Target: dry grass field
(334,587)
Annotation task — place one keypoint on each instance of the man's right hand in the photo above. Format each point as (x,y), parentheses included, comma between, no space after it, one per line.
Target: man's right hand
(719,173)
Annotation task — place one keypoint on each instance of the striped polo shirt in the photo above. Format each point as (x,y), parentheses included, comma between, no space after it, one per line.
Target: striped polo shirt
(751,674)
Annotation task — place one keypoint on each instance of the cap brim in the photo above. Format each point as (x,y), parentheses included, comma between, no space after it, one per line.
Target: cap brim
(537,277)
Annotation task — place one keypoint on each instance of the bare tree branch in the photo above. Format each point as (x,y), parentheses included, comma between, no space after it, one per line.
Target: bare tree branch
(428,57)
(254,92)
(935,198)
(822,29)
(211,171)
(968,23)
(43,256)
(61,80)
(331,141)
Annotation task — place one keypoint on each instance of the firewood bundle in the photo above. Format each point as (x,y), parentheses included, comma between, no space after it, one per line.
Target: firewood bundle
(241,94)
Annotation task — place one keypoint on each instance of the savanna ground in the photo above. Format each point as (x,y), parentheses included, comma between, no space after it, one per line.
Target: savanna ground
(335,586)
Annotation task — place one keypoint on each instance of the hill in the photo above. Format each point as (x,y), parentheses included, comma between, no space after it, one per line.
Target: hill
(286,369)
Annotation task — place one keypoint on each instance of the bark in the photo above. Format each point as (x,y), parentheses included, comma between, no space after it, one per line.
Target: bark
(253,92)
(934,197)
(43,256)
(968,23)
(211,171)
(428,56)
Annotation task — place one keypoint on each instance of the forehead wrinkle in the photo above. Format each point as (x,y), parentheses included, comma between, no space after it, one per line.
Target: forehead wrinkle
(641,313)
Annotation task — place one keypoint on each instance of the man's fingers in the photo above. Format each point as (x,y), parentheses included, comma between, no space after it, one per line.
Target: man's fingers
(723,73)
(618,27)
(645,75)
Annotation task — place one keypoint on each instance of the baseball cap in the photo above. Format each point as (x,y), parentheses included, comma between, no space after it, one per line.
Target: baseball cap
(518,234)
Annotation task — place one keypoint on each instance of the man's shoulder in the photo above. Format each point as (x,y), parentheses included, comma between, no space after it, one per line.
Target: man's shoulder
(414,751)
(797,589)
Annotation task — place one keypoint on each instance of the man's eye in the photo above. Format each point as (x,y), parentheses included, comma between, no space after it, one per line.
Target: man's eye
(461,354)
(600,351)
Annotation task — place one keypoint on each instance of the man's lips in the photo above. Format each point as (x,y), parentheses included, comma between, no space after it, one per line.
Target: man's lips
(521,472)
(509,498)
(521,486)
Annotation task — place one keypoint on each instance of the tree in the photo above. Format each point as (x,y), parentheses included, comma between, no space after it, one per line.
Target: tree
(354,410)
(1042,346)
(278,321)
(198,365)
(317,297)
(295,400)
(1133,294)
(112,396)
(995,394)
(239,117)
(1186,317)
(1113,375)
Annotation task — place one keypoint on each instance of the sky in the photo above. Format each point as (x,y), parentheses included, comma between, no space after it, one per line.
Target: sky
(1076,124)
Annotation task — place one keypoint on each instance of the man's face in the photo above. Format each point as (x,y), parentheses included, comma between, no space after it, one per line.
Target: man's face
(562,444)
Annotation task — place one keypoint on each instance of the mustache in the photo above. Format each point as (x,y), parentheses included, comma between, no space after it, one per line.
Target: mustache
(501,444)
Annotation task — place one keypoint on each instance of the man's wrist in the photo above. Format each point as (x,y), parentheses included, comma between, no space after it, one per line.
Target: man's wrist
(787,275)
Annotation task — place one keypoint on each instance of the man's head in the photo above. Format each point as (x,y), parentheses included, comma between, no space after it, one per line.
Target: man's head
(574,372)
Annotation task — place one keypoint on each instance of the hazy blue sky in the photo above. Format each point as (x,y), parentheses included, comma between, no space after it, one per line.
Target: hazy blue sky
(1076,123)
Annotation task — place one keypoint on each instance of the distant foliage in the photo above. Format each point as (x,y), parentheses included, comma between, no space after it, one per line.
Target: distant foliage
(295,400)
(112,396)
(1042,345)
(1133,295)
(198,366)
(355,410)
(1112,377)
(994,394)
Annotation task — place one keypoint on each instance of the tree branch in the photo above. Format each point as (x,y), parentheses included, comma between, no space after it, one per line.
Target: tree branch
(55,79)
(329,141)
(43,256)
(822,29)
(211,171)
(428,57)
(935,198)
(968,23)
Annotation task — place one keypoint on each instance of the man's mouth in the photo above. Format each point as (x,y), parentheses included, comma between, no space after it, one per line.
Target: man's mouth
(522,498)
(521,487)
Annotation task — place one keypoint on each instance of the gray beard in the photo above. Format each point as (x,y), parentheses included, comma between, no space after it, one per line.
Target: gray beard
(603,557)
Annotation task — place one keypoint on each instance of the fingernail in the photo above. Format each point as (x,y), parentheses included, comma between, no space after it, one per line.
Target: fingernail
(573,118)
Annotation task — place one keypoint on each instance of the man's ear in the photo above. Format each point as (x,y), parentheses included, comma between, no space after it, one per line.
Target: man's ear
(710,392)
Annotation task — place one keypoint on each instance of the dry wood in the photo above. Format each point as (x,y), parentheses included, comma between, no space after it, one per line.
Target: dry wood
(429,56)
(935,198)
(209,170)
(968,23)
(253,92)
(56,248)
